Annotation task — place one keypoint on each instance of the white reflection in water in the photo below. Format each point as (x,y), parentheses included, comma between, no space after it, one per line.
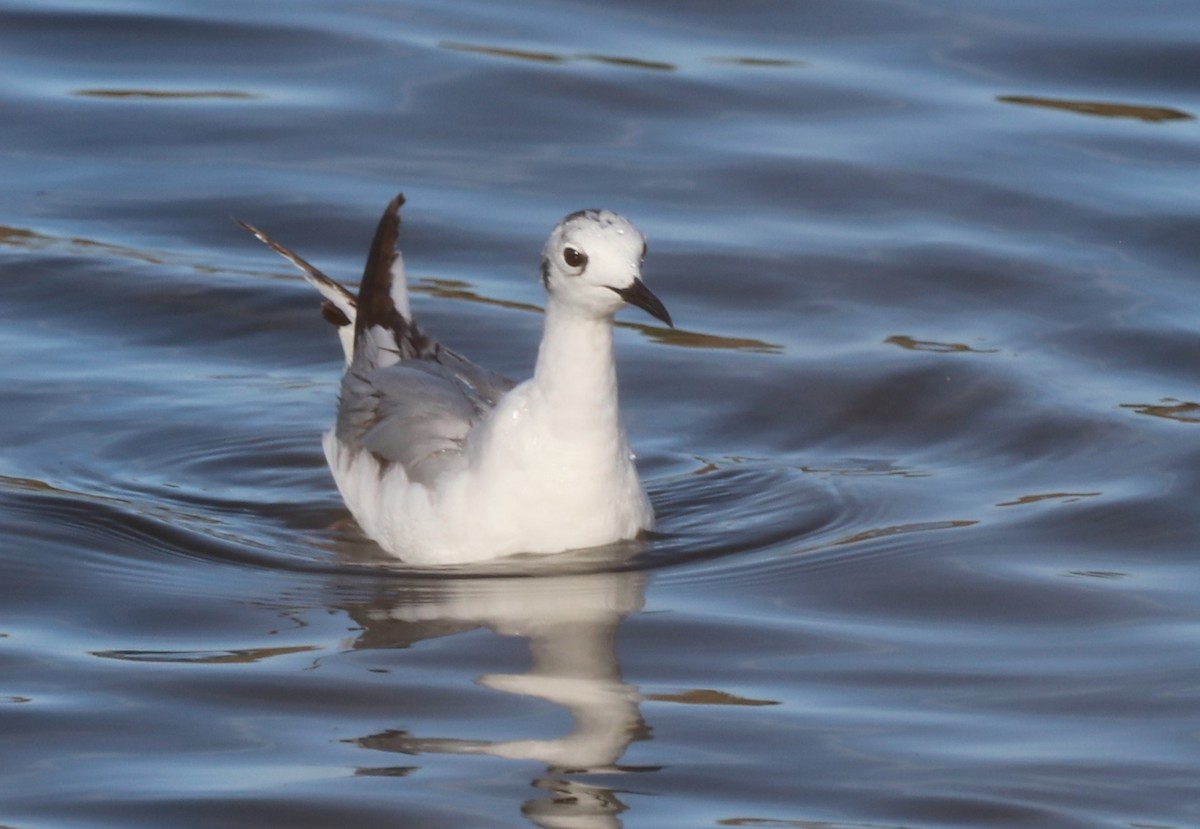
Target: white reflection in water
(571,624)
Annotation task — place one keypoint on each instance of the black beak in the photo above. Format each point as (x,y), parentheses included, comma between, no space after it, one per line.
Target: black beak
(641,296)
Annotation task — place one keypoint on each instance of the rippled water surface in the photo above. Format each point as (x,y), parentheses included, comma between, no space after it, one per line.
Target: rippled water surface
(925,447)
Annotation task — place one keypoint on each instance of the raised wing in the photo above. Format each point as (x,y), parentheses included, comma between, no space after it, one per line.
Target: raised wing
(405,398)
(339,306)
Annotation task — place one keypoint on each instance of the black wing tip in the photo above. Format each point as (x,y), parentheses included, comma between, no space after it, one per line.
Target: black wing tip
(246,226)
(375,305)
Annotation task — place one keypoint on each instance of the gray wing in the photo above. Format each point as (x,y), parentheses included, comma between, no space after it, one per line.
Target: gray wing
(405,398)
(416,413)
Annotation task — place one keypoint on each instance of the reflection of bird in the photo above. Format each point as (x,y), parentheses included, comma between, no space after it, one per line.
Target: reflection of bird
(442,461)
(571,622)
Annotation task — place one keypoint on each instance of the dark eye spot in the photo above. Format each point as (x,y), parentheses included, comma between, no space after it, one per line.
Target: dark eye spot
(574,258)
(643,251)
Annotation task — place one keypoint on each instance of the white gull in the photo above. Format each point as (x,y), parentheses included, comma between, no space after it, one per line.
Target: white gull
(444,462)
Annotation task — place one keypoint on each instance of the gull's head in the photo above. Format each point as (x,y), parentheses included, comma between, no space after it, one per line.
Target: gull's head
(593,262)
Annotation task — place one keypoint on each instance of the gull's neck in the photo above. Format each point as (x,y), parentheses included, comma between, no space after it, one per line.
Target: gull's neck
(575,372)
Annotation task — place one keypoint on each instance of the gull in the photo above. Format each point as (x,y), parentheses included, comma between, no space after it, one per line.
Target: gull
(444,462)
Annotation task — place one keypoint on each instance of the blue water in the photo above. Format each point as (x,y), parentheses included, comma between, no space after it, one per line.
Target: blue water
(924,447)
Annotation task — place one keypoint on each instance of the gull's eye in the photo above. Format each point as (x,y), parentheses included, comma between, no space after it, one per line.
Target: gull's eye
(574,258)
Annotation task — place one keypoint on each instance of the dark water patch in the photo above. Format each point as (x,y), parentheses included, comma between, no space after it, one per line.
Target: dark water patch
(809,518)
(115,534)
(939,408)
(168,40)
(1150,153)
(1162,240)
(1060,59)
(739,505)
(1147,359)
(147,305)
(1117,523)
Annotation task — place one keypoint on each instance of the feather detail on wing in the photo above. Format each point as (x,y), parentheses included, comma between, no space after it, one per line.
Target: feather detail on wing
(405,398)
(339,306)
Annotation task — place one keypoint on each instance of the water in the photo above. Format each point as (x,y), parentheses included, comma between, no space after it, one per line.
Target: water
(924,449)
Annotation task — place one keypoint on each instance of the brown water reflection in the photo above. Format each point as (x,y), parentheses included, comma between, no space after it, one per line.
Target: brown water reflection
(551,57)
(535,56)
(1100,108)
(759,62)
(1169,409)
(25,239)
(913,344)
(1065,497)
(707,696)
(240,656)
(168,94)
(459,290)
